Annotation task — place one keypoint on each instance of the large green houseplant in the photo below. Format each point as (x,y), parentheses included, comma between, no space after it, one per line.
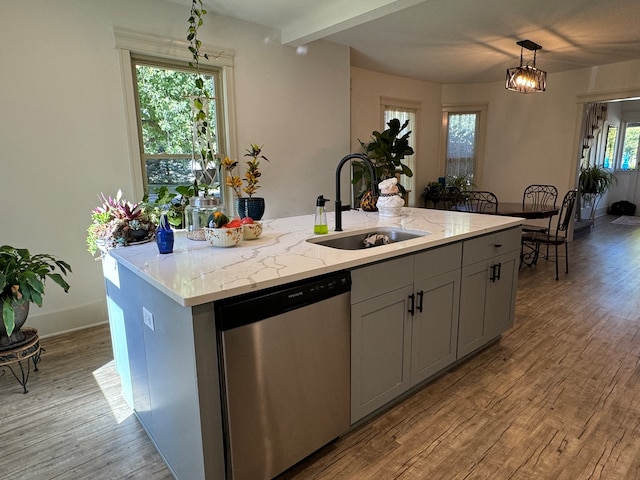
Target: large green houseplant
(22,278)
(593,182)
(386,150)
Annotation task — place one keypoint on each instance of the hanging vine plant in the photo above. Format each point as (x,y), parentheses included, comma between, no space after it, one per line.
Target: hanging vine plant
(204,155)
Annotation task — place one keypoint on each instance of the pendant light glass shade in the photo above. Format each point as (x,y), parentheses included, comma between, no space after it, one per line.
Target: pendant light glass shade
(526,78)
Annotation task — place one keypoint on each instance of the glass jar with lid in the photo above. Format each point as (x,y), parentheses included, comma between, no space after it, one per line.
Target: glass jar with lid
(198,214)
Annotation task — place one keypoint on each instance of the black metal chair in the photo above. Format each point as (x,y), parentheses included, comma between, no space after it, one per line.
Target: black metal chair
(531,241)
(539,196)
(478,201)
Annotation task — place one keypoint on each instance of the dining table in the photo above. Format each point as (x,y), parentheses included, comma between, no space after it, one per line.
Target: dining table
(515,209)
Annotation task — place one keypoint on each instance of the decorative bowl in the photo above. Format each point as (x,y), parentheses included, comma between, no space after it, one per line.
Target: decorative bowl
(251,231)
(223,237)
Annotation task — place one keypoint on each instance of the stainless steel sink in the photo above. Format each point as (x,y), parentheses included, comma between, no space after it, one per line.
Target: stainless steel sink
(355,240)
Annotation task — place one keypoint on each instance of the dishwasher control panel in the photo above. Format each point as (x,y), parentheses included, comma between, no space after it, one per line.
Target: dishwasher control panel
(244,309)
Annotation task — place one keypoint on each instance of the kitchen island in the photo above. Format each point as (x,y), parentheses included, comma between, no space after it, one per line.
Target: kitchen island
(166,345)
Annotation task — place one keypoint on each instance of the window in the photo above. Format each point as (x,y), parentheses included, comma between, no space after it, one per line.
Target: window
(629,152)
(610,147)
(158,119)
(404,110)
(463,140)
(164,121)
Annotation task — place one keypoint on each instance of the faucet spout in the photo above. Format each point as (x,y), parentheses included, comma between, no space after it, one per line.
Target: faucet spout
(338,203)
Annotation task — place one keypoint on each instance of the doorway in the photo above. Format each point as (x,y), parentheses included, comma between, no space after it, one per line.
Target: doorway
(607,148)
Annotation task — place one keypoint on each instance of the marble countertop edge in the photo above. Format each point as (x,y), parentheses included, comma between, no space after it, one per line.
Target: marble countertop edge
(197,273)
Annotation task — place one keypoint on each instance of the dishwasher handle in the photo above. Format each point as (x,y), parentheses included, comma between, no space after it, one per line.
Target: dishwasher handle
(252,307)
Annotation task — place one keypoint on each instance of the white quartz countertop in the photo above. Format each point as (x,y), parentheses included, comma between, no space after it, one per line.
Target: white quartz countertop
(197,273)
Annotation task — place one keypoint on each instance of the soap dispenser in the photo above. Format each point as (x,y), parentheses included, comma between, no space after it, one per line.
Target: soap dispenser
(320,225)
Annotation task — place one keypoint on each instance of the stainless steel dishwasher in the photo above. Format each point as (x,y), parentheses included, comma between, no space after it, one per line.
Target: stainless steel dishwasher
(285,370)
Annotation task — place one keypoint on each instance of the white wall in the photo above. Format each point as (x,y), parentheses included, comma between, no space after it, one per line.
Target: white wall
(64,137)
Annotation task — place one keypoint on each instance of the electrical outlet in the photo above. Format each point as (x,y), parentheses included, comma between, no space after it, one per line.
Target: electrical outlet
(147,317)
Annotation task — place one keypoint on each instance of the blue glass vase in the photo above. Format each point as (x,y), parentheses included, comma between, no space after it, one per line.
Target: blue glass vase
(164,236)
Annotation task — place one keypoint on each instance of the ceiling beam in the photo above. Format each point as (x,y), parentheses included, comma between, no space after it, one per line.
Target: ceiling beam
(336,16)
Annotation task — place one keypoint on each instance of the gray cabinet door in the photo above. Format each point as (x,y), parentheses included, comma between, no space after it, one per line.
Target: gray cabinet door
(473,293)
(380,353)
(487,301)
(435,328)
(501,296)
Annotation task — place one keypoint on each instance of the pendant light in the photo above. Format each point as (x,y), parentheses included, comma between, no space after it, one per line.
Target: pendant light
(526,78)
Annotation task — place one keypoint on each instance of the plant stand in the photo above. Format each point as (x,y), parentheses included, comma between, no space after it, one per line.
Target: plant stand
(29,350)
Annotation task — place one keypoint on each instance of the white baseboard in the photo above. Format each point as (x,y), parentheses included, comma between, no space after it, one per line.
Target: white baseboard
(65,321)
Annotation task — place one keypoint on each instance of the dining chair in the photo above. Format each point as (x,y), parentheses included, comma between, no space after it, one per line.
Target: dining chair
(531,241)
(539,196)
(478,201)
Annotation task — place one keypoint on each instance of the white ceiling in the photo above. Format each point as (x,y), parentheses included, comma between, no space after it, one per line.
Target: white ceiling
(453,41)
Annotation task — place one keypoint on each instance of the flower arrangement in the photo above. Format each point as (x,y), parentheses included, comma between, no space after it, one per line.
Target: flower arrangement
(252,175)
(118,222)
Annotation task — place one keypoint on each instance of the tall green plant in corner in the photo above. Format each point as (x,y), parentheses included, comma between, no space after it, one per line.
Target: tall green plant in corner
(205,165)
(387,150)
(593,182)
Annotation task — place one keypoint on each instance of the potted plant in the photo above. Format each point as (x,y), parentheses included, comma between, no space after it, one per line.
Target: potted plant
(435,189)
(386,150)
(595,180)
(170,203)
(22,278)
(250,206)
(117,222)
(459,182)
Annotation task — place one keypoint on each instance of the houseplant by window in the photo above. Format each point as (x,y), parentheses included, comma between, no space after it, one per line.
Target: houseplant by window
(118,222)
(22,279)
(250,206)
(593,182)
(386,150)
(170,203)
(595,179)
(205,164)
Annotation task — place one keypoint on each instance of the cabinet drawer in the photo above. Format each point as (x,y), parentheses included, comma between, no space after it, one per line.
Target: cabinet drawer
(373,280)
(437,261)
(487,246)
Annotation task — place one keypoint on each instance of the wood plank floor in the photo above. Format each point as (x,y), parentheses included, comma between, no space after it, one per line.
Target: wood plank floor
(73,424)
(557,398)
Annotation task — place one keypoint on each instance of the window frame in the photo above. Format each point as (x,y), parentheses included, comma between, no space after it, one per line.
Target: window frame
(481,110)
(206,71)
(614,147)
(138,45)
(634,122)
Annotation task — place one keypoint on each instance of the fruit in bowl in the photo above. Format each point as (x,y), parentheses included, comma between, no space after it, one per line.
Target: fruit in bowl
(223,233)
(251,230)
(223,236)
